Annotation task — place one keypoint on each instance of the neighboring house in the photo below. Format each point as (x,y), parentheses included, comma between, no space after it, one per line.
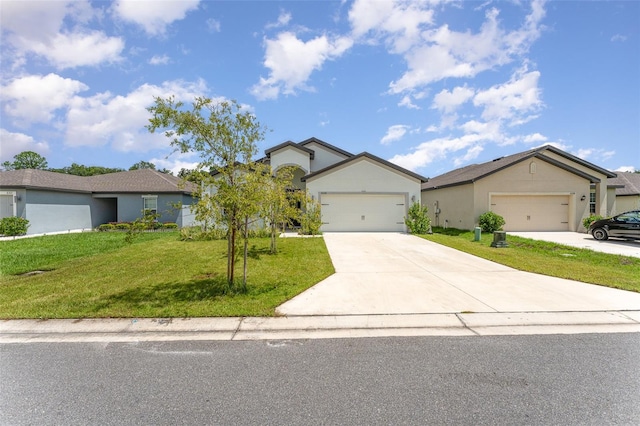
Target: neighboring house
(55,202)
(356,192)
(627,191)
(543,189)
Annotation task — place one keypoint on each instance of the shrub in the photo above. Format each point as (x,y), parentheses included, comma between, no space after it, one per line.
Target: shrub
(123,226)
(170,225)
(491,222)
(587,221)
(105,227)
(196,233)
(13,226)
(417,219)
(311,220)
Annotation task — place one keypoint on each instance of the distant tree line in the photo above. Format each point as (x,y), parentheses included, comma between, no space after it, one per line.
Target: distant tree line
(33,160)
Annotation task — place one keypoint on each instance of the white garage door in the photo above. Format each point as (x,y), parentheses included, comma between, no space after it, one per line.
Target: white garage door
(363,212)
(532,212)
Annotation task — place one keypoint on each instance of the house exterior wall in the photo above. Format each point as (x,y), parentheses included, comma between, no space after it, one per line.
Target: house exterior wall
(455,206)
(49,211)
(130,206)
(290,156)
(364,176)
(323,157)
(547,180)
(625,203)
(601,187)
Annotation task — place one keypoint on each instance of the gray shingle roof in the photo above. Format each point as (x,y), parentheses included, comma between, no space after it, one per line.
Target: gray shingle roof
(476,172)
(143,180)
(631,182)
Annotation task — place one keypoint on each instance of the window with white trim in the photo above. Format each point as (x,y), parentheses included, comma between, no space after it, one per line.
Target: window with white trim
(592,201)
(150,204)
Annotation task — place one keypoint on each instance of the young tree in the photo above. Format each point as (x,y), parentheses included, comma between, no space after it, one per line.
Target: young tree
(26,160)
(280,205)
(225,137)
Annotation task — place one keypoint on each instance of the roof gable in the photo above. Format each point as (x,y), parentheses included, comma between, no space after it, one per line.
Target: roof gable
(325,145)
(292,145)
(371,157)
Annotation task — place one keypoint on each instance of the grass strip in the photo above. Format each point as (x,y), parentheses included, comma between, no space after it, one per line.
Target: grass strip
(158,277)
(546,258)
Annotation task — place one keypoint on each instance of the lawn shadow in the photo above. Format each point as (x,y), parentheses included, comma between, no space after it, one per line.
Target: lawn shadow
(201,288)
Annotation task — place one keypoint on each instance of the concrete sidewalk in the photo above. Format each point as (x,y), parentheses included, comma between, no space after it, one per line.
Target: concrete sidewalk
(317,327)
(585,241)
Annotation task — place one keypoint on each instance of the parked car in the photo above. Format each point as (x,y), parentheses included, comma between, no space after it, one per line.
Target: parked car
(625,225)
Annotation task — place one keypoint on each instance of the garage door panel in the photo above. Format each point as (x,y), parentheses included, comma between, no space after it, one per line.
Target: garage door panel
(363,212)
(532,212)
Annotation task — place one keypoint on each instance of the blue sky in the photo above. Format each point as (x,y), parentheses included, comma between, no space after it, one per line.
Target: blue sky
(429,85)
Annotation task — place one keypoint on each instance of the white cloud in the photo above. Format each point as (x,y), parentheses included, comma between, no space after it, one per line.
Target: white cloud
(55,30)
(591,153)
(394,133)
(175,164)
(406,101)
(436,149)
(15,143)
(629,169)
(534,138)
(283,19)
(119,120)
(399,23)
(511,101)
(159,60)
(154,16)
(448,101)
(213,25)
(472,154)
(291,62)
(35,98)
(442,53)
(619,37)
(80,49)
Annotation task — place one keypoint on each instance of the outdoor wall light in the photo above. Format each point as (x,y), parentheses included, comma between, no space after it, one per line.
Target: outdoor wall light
(584,197)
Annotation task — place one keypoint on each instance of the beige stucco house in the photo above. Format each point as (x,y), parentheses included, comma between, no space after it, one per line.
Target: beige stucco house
(356,192)
(543,189)
(627,192)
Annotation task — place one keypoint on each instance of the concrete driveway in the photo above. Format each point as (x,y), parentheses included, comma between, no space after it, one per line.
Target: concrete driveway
(586,241)
(389,273)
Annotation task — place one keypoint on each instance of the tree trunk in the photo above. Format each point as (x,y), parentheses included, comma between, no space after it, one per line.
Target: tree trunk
(246,252)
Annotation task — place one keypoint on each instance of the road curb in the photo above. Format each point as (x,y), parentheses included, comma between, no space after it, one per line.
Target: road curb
(317,327)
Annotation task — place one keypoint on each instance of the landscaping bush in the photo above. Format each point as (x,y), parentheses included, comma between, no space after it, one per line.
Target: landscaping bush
(105,227)
(491,222)
(311,220)
(13,226)
(417,219)
(587,221)
(170,225)
(122,226)
(196,233)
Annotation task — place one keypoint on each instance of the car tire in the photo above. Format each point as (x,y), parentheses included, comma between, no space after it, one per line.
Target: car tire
(600,234)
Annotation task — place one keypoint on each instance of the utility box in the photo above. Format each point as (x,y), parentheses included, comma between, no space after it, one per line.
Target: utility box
(499,239)
(477,233)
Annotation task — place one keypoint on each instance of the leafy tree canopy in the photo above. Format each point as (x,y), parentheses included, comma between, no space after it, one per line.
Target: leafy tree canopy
(26,160)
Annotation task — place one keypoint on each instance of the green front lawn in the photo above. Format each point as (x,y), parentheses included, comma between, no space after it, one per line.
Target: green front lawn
(547,258)
(98,275)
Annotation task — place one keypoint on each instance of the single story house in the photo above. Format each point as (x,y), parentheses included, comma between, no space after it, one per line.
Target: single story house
(543,189)
(58,202)
(356,192)
(627,187)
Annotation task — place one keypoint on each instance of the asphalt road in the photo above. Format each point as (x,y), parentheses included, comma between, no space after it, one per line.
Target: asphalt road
(551,379)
